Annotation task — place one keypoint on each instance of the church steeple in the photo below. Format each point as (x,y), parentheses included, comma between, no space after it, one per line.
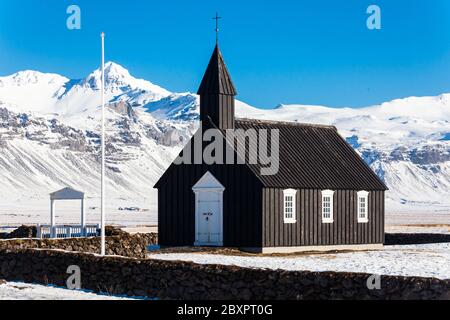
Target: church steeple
(217,93)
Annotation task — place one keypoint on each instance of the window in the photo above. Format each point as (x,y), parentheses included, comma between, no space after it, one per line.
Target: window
(327,206)
(289,206)
(363,215)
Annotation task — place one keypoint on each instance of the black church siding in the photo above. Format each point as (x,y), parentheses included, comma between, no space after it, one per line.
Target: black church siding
(219,108)
(242,205)
(309,229)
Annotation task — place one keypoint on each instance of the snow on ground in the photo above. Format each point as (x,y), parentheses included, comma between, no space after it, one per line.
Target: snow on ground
(431,260)
(24,291)
(417,218)
(438,229)
(68,212)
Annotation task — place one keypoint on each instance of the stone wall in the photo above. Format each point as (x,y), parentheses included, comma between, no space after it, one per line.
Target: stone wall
(21,232)
(188,281)
(415,238)
(122,245)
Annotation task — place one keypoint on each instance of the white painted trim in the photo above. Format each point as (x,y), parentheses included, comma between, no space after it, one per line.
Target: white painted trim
(208,183)
(63,195)
(67,194)
(196,218)
(293,193)
(365,195)
(355,247)
(83,217)
(52,217)
(328,193)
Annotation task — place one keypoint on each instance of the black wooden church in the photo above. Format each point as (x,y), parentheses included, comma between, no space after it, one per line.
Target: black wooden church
(323,196)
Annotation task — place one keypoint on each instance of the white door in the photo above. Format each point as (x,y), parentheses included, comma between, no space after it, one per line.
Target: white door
(209,224)
(208,211)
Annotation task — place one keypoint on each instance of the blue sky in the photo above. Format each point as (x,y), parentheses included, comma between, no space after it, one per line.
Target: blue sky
(307,52)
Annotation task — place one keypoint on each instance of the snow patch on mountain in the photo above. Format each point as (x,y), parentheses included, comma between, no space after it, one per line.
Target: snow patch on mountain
(182,107)
(31,91)
(119,80)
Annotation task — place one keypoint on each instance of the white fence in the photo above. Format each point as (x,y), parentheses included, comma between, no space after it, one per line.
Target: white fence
(66,231)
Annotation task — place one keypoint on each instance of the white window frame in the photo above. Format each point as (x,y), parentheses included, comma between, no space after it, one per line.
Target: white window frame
(328,194)
(363,195)
(290,193)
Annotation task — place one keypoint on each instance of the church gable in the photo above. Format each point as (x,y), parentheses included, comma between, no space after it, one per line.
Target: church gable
(208,181)
(193,156)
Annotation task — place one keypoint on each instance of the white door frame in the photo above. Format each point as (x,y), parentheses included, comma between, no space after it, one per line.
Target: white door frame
(208,183)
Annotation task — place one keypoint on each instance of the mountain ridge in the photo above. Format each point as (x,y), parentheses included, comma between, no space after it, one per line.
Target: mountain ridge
(405,141)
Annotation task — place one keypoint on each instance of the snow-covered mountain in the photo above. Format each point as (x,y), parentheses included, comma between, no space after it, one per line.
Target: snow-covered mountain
(49,138)
(406,142)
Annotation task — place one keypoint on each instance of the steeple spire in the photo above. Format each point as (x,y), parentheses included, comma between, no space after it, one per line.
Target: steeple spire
(217,79)
(217,93)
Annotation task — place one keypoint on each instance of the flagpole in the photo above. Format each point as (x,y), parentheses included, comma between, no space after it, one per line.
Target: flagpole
(103,244)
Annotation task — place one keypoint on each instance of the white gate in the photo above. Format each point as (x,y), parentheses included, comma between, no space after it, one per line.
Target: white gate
(67,231)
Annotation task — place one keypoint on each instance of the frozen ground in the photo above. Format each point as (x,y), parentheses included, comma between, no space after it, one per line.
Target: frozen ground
(430,218)
(413,228)
(23,291)
(431,260)
(69,212)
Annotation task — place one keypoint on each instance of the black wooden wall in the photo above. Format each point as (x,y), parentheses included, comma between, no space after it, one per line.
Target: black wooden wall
(309,229)
(220,108)
(242,205)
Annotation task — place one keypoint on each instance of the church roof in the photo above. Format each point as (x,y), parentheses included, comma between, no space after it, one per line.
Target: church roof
(310,157)
(217,79)
(313,157)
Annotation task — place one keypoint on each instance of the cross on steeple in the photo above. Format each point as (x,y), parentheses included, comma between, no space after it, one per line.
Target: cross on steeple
(217,18)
